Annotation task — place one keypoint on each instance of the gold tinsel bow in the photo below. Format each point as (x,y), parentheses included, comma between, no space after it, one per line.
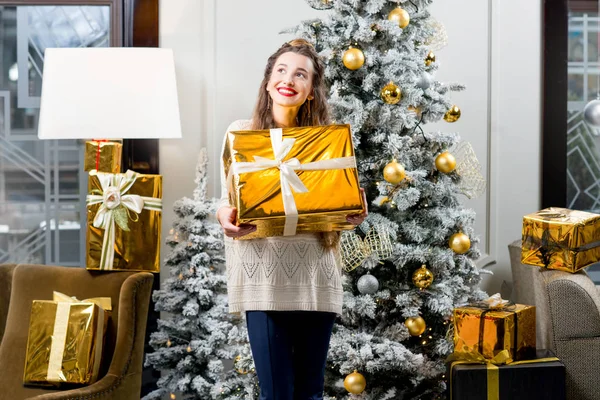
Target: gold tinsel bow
(376,246)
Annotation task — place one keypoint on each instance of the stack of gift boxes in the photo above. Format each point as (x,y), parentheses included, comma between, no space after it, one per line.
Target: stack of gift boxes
(495,354)
(66,335)
(284,166)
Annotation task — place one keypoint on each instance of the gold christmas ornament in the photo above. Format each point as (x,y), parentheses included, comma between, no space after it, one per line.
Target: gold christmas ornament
(400,16)
(430,58)
(189,349)
(459,243)
(394,173)
(353,59)
(391,93)
(239,370)
(181,276)
(355,383)
(453,114)
(383,200)
(168,342)
(416,325)
(173,397)
(422,277)
(445,162)
(416,110)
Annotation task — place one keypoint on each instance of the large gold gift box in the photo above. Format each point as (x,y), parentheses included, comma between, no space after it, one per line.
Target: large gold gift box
(65,341)
(103,156)
(559,238)
(331,194)
(124,222)
(502,335)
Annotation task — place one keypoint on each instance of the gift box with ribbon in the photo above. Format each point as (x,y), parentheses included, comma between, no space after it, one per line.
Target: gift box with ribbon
(293,180)
(124,221)
(541,378)
(65,340)
(562,239)
(495,330)
(103,156)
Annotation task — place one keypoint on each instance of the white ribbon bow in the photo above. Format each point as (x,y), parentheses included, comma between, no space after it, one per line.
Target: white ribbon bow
(115,204)
(288,178)
(496,301)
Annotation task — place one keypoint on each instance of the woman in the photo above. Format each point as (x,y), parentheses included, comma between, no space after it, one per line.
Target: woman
(289,287)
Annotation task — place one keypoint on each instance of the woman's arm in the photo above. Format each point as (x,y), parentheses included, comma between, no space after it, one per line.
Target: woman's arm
(226,215)
(224,201)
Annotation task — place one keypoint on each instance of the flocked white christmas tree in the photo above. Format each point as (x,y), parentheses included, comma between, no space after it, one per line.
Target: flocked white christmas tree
(413,260)
(197,338)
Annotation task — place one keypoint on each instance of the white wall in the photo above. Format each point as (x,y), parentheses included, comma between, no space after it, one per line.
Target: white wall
(516,121)
(221,48)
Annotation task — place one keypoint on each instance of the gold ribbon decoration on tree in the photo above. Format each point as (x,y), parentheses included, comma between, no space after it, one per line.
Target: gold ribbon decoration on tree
(375,247)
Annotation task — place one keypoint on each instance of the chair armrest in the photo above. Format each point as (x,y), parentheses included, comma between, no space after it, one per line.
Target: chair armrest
(574,307)
(103,388)
(6,273)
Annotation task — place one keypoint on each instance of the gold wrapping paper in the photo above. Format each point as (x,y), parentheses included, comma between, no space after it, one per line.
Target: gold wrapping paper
(108,159)
(137,249)
(331,196)
(508,333)
(562,239)
(65,342)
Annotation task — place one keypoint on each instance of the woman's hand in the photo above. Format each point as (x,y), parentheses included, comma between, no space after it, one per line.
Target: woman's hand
(357,219)
(227,217)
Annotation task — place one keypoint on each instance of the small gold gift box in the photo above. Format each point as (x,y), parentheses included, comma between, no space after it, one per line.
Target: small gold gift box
(293,180)
(65,341)
(103,156)
(499,332)
(124,222)
(562,239)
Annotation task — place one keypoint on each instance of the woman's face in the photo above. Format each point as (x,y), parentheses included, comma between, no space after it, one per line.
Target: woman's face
(291,80)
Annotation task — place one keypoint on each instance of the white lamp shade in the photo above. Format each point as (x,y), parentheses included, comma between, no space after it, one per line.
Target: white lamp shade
(109,93)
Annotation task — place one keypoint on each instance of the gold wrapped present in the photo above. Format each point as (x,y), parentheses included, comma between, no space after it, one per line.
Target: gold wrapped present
(559,238)
(103,156)
(65,340)
(494,330)
(124,221)
(293,180)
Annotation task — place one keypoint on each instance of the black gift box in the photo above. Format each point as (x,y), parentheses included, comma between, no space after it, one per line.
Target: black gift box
(544,380)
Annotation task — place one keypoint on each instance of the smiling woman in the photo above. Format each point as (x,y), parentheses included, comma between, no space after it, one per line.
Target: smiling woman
(302,291)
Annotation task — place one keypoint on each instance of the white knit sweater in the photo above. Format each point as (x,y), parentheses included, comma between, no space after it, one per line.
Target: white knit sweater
(280,273)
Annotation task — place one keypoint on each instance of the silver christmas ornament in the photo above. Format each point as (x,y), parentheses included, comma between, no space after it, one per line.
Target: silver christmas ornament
(425,81)
(367,284)
(591,113)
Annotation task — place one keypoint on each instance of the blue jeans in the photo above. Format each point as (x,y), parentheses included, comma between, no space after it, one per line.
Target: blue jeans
(290,351)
